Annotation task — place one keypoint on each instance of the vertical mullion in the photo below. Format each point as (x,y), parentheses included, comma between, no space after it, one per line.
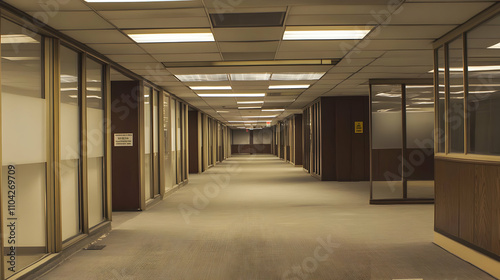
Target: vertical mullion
(404,138)
(446,97)
(108,144)
(161,143)
(370,97)
(56,81)
(437,110)
(83,145)
(466,92)
(142,143)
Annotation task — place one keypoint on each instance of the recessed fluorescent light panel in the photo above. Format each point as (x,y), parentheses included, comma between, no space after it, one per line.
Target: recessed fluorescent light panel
(212,88)
(259,117)
(174,36)
(251,77)
(297,76)
(273,110)
(290,87)
(495,46)
(249,108)
(203,78)
(250,102)
(231,94)
(322,33)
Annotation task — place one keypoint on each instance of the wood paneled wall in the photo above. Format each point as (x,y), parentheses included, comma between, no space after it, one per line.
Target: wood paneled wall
(467,206)
(194,131)
(126,160)
(344,154)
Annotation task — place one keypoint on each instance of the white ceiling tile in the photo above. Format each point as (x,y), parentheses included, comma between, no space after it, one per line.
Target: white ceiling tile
(98,36)
(47,5)
(170,48)
(387,45)
(187,57)
(345,69)
(413,61)
(188,22)
(354,62)
(330,20)
(409,32)
(249,46)
(116,49)
(158,13)
(336,9)
(395,69)
(141,65)
(78,20)
(132,58)
(437,13)
(313,46)
(310,55)
(147,5)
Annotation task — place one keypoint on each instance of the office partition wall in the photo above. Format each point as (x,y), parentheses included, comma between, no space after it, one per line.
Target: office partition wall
(402,141)
(468,138)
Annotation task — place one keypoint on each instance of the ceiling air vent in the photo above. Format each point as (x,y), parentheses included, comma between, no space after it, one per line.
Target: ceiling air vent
(248,19)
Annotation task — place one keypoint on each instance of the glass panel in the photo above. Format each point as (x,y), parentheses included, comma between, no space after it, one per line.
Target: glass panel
(386,142)
(168,142)
(484,88)
(456,103)
(156,143)
(24,146)
(95,141)
(70,143)
(441,103)
(420,141)
(148,170)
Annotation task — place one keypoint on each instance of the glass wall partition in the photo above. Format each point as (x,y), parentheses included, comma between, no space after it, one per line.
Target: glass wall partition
(151,143)
(70,143)
(167,142)
(402,141)
(95,141)
(24,147)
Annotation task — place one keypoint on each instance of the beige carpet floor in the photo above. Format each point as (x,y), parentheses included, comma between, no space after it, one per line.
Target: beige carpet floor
(256,217)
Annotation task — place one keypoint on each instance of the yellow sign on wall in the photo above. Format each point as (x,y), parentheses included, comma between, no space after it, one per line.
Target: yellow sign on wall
(358,127)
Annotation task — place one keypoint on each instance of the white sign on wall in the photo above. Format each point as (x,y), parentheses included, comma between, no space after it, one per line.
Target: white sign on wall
(124,139)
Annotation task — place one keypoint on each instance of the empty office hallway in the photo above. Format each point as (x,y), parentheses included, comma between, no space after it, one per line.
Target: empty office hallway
(257,217)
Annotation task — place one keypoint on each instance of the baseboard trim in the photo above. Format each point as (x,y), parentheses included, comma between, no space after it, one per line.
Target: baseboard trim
(481,261)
